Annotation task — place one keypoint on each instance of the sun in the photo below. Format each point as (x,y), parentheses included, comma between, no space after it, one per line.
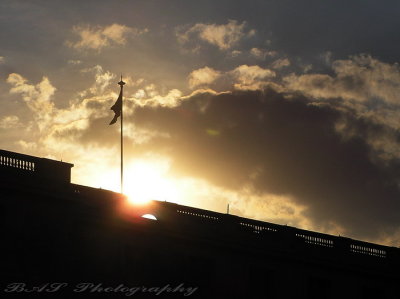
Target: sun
(146,180)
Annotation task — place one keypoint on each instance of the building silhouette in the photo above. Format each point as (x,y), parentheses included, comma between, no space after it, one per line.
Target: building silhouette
(54,231)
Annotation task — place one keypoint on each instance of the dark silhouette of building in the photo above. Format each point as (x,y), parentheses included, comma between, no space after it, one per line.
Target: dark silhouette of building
(94,244)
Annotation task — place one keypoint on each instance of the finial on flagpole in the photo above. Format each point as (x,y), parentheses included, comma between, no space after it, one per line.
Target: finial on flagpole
(121,83)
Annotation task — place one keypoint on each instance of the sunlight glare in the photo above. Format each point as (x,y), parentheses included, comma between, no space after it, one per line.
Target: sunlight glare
(146,180)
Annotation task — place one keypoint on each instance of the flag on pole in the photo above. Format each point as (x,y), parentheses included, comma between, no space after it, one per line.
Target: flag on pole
(117,107)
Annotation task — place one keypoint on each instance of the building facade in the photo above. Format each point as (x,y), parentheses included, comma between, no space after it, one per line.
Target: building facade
(63,240)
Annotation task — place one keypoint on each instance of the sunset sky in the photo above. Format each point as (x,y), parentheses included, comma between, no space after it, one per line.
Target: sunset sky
(287,110)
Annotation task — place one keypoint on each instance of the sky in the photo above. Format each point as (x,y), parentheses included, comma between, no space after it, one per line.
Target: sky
(288,111)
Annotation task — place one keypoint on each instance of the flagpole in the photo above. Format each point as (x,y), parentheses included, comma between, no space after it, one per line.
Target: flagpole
(122,83)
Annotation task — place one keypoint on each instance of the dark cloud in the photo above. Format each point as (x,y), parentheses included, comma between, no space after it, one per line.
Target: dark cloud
(282,145)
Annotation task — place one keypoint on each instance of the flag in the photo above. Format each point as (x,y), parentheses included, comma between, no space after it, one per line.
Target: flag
(117,107)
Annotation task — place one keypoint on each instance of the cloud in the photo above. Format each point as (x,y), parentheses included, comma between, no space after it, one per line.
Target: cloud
(83,121)
(280,63)
(362,85)
(27,146)
(281,145)
(269,207)
(74,62)
(72,131)
(222,36)
(37,97)
(171,99)
(251,77)
(203,76)
(149,96)
(243,77)
(2,59)
(57,128)
(102,79)
(235,53)
(262,53)
(99,37)
(10,122)
(359,79)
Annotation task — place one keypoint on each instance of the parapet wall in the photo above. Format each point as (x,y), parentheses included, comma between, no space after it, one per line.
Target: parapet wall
(29,168)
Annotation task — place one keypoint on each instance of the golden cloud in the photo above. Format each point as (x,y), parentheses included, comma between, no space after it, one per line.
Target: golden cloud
(203,76)
(99,37)
(37,97)
(223,36)
(360,79)
(251,77)
(10,121)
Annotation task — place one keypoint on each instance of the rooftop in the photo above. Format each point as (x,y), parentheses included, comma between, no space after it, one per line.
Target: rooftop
(38,172)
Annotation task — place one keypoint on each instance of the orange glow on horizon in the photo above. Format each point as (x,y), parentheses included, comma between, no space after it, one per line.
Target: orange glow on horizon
(148,178)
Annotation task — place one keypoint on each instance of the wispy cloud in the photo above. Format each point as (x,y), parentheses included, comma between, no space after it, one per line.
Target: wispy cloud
(10,121)
(251,77)
(243,77)
(74,62)
(151,97)
(203,76)
(49,121)
(99,37)
(102,79)
(262,53)
(360,78)
(223,36)
(280,63)
(37,97)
